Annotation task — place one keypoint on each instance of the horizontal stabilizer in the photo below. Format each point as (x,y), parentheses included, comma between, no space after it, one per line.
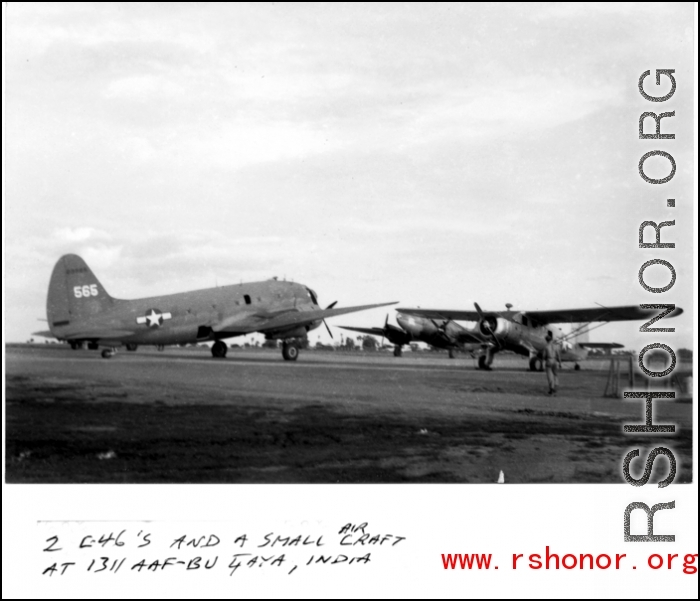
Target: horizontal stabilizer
(373,331)
(603,345)
(44,333)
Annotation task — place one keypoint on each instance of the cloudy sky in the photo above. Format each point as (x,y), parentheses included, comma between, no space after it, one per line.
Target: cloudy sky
(434,154)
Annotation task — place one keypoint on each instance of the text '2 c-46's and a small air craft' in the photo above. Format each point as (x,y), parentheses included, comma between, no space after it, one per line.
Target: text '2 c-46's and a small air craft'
(521,332)
(80,310)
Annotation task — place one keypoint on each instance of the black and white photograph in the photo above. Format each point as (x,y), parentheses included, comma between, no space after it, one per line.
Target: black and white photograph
(348,251)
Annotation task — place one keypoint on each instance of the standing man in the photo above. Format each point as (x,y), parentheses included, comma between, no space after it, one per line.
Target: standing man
(552,362)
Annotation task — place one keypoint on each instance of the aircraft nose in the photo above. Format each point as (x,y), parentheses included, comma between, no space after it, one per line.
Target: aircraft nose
(407,323)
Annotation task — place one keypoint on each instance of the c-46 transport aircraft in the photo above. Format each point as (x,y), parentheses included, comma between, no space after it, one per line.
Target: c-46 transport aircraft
(79,310)
(522,332)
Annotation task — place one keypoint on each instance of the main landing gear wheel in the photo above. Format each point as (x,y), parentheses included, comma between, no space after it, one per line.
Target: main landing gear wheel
(398,351)
(536,364)
(451,353)
(131,346)
(108,353)
(577,367)
(75,345)
(290,351)
(93,346)
(483,364)
(160,347)
(219,349)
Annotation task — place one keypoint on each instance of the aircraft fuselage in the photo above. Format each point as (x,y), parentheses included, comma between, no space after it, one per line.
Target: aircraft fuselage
(188,317)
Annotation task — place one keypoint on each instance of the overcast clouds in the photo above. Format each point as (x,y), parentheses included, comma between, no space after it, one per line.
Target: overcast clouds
(436,154)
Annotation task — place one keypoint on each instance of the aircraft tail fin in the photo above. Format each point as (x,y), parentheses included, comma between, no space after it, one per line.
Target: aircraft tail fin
(74,293)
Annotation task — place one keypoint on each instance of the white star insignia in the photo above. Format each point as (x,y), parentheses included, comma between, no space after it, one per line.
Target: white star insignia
(153,318)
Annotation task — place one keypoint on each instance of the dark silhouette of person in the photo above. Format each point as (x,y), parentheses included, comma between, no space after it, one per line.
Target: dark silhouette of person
(552,362)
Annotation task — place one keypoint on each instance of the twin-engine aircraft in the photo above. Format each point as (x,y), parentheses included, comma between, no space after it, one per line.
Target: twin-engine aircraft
(446,335)
(522,332)
(79,310)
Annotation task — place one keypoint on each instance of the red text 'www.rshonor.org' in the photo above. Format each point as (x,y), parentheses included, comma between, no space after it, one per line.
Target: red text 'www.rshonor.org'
(570,561)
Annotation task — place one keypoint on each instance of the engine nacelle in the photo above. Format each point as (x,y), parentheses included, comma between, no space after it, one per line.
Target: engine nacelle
(505,330)
(494,325)
(295,332)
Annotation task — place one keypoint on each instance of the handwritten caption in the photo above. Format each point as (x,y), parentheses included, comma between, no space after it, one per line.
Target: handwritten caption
(100,548)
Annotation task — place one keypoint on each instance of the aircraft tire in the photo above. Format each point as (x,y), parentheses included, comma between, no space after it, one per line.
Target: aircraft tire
(160,347)
(398,352)
(131,346)
(74,345)
(451,353)
(577,367)
(93,346)
(107,353)
(290,351)
(483,364)
(219,350)
(536,364)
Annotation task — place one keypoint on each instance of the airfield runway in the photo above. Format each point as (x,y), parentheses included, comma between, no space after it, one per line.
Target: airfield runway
(182,416)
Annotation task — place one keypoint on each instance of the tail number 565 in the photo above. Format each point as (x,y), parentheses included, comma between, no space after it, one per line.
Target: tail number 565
(86,290)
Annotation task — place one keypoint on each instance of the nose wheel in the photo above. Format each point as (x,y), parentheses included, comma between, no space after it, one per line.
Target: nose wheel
(290,351)
(219,349)
(108,353)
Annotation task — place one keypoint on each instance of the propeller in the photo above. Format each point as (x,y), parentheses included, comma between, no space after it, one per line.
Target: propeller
(333,304)
(483,321)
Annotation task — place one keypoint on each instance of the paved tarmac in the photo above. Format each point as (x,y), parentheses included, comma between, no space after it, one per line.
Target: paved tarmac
(182,416)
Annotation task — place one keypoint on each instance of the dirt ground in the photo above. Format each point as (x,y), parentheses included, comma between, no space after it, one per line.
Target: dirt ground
(181,416)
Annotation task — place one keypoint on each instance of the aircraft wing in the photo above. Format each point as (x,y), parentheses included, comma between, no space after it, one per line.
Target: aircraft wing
(288,319)
(97,333)
(110,334)
(444,314)
(624,313)
(621,313)
(467,337)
